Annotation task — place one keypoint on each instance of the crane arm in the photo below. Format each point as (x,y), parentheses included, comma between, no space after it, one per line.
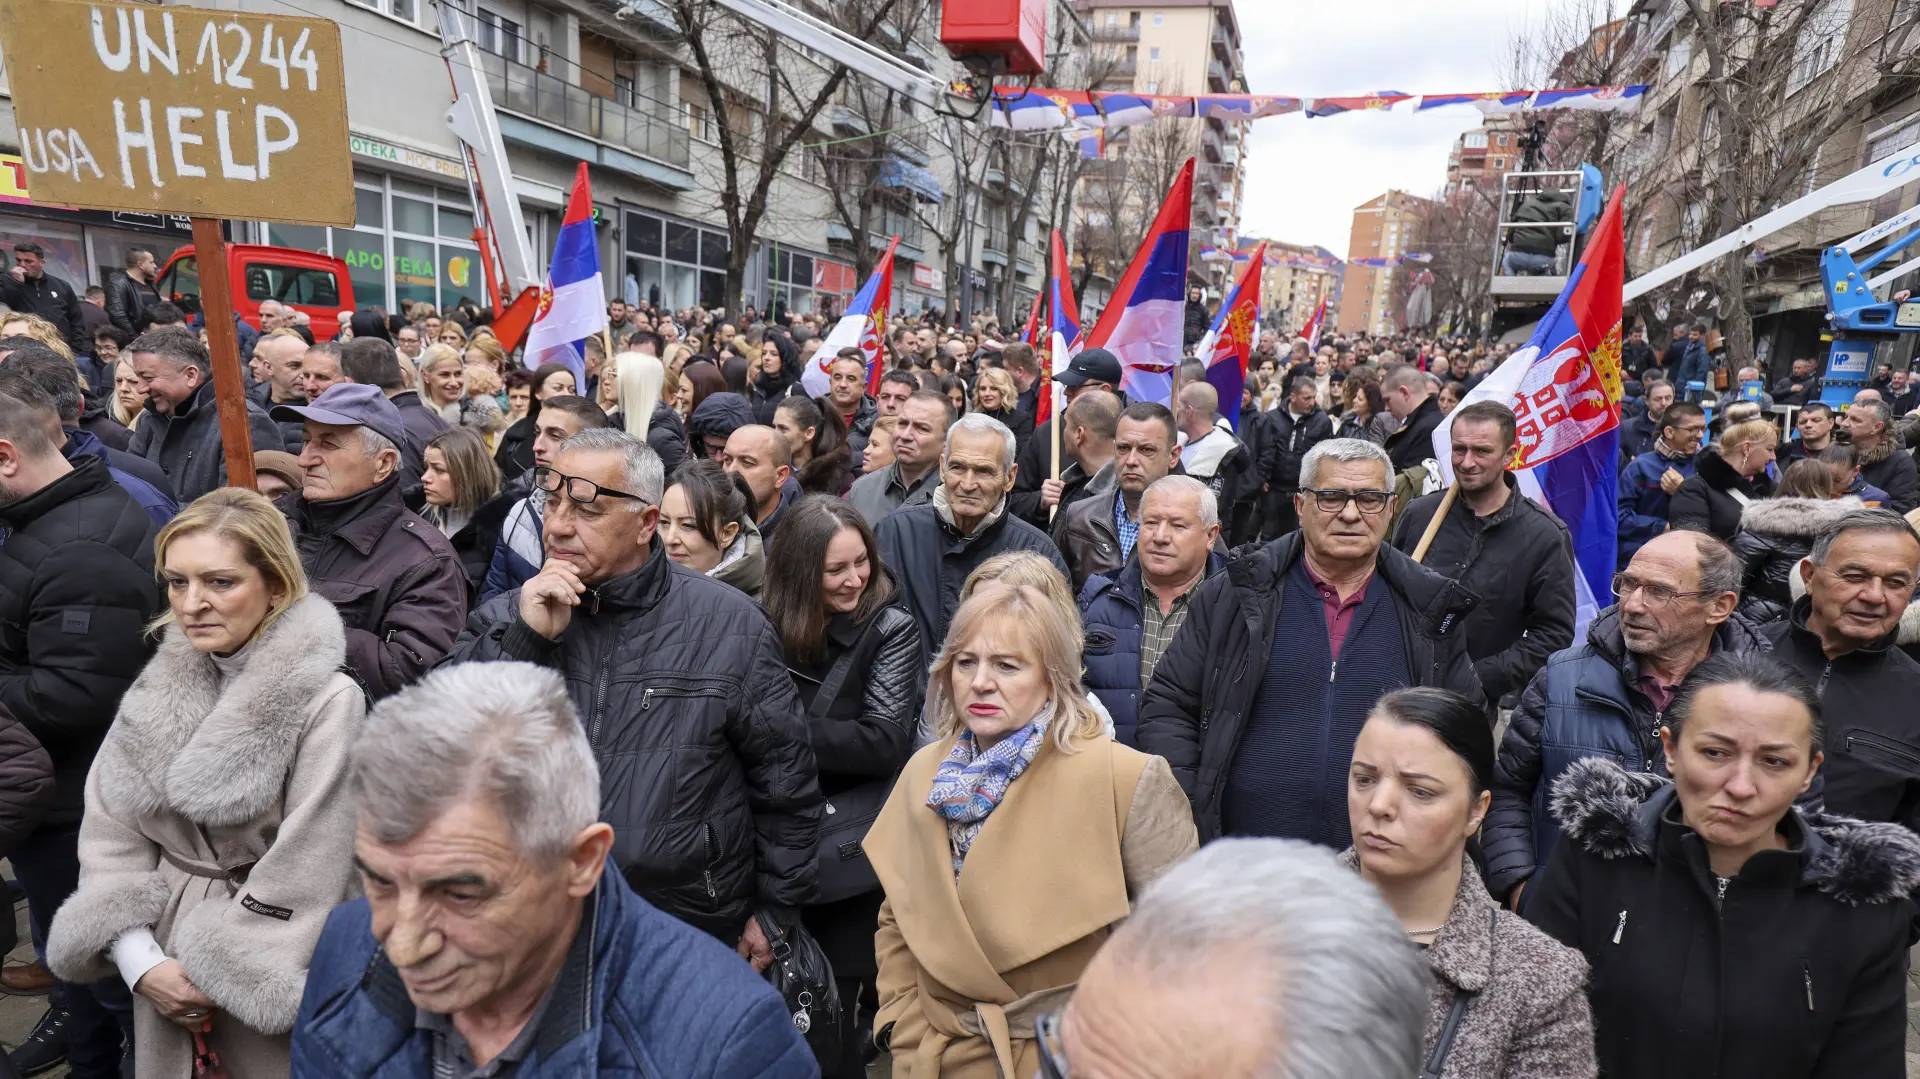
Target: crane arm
(473,122)
(1868,183)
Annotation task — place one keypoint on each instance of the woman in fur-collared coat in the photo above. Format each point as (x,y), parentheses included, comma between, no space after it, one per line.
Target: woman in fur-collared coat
(218,834)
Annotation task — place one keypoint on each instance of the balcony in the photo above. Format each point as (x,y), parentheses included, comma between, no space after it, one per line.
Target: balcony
(1210,144)
(558,108)
(1222,44)
(995,251)
(1116,33)
(1216,76)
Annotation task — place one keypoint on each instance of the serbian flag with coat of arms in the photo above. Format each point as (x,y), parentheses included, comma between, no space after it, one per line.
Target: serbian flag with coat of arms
(1144,323)
(1227,348)
(864,326)
(573,303)
(1062,340)
(1564,389)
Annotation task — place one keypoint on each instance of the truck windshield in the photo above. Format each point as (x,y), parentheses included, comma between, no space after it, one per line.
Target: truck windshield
(304,285)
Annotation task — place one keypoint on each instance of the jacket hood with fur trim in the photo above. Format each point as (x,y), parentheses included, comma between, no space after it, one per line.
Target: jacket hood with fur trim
(1805,518)
(1614,813)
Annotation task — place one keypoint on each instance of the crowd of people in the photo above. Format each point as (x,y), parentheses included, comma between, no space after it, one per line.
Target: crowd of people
(654,717)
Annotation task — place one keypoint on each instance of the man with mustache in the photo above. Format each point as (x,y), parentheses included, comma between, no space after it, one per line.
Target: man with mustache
(1606,696)
(1842,635)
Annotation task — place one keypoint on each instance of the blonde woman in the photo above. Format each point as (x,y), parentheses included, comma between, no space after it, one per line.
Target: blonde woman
(217,833)
(1010,846)
(452,335)
(128,402)
(994,394)
(22,324)
(675,360)
(486,352)
(1730,475)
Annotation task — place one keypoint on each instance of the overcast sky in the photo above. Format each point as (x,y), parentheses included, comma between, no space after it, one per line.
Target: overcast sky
(1304,177)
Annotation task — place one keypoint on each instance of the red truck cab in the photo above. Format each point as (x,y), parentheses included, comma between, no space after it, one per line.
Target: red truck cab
(303,280)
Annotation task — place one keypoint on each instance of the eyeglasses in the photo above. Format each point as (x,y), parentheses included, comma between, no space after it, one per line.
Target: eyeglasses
(1053,1051)
(583,491)
(1335,501)
(1655,596)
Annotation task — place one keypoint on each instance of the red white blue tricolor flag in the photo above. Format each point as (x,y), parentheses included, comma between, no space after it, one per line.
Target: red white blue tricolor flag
(1144,323)
(573,303)
(1564,389)
(1227,347)
(864,326)
(1063,329)
(1315,325)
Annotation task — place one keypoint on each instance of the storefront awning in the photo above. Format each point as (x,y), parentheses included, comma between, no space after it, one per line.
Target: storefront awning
(899,172)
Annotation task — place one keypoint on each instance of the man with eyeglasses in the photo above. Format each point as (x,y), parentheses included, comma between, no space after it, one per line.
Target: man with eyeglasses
(707,773)
(1608,695)
(1258,700)
(1843,635)
(520,552)
(395,579)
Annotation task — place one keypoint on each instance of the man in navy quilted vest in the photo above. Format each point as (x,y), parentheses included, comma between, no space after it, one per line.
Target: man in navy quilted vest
(1258,700)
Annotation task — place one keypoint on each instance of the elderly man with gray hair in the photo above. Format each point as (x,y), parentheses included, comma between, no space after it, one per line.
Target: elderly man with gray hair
(933,546)
(1254,957)
(492,940)
(1258,700)
(707,772)
(1883,463)
(1852,600)
(1132,613)
(396,580)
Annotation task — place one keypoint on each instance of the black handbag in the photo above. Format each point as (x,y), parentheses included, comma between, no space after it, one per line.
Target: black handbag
(804,979)
(841,868)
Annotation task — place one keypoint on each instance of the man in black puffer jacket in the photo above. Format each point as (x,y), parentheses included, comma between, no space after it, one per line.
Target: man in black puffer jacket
(707,774)
(76,593)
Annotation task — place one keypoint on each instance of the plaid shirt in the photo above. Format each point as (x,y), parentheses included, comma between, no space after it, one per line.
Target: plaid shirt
(1157,630)
(1123,524)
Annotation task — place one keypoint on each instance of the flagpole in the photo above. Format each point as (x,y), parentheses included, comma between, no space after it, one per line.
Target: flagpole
(1433,526)
(1054,423)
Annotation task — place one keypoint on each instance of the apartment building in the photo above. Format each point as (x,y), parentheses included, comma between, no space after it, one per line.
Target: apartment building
(1823,92)
(1182,47)
(1383,227)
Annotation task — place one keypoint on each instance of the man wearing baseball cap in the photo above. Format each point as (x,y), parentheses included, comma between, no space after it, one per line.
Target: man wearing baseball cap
(1034,492)
(394,578)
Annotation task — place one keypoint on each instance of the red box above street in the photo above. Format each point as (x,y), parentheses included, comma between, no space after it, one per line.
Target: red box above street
(1015,29)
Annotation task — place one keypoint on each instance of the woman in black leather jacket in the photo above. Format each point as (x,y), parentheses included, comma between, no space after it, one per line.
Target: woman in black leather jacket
(1776,533)
(859,668)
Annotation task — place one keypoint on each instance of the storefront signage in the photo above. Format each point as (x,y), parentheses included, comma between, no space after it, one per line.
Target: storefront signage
(928,277)
(13,190)
(410,158)
(126,106)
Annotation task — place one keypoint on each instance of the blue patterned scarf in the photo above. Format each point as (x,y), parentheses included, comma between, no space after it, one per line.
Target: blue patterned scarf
(969,783)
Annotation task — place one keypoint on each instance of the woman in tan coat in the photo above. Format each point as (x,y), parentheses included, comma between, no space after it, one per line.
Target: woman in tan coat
(217,835)
(1010,845)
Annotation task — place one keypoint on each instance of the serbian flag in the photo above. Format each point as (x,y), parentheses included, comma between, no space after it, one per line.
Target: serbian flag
(1144,323)
(1063,331)
(1564,389)
(573,304)
(864,326)
(1227,348)
(1314,325)
(1031,335)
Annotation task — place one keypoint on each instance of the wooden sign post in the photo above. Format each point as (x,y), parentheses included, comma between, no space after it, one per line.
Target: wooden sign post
(210,114)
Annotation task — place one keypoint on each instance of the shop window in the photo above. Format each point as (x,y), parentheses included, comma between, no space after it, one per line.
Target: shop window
(683,243)
(643,234)
(416,278)
(455,224)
